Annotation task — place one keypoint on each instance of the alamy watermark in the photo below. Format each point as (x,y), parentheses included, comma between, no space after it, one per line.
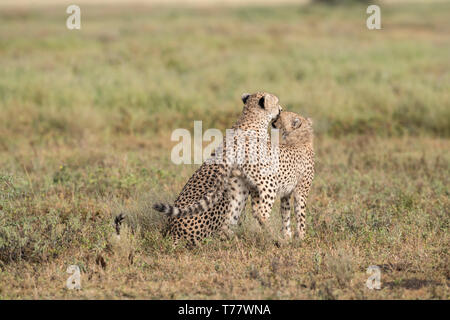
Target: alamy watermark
(74,281)
(74,20)
(239,147)
(374,281)
(374,20)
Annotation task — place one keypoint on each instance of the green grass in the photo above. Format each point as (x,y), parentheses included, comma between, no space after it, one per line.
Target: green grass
(85,124)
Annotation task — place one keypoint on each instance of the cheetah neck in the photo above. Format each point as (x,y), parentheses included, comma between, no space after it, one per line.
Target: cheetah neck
(300,140)
(252,121)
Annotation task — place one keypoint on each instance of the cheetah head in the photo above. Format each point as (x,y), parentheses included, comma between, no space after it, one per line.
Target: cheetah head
(262,103)
(294,128)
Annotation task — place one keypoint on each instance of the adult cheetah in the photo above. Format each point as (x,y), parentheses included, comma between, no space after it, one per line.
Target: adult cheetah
(200,210)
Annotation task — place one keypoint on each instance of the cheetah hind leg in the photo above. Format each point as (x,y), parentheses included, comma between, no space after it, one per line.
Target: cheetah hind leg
(300,196)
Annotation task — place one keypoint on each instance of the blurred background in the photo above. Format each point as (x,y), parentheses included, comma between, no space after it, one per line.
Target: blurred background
(86,117)
(132,67)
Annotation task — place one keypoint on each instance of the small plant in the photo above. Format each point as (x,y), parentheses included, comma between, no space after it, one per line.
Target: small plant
(340,264)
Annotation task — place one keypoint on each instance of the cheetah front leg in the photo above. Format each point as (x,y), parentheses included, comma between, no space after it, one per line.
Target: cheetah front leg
(238,194)
(262,203)
(285,210)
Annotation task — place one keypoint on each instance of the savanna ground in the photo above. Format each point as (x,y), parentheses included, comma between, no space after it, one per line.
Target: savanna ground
(85,124)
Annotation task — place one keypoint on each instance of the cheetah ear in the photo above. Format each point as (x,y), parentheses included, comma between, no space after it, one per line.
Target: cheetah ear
(296,123)
(267,100)
(245,97)
(262,101)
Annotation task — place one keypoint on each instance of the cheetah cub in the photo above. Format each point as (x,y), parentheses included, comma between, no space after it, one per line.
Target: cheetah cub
(296,168)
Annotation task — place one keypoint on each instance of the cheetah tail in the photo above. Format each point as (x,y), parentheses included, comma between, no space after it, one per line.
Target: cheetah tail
(171,211)
(205,203)
(118,222)
(202,205)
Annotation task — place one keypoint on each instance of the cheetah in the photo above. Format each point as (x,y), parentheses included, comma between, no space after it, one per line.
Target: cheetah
(297,168)
(200,210)
(295,174)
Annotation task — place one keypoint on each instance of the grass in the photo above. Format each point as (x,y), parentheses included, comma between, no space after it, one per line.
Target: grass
(85,125)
